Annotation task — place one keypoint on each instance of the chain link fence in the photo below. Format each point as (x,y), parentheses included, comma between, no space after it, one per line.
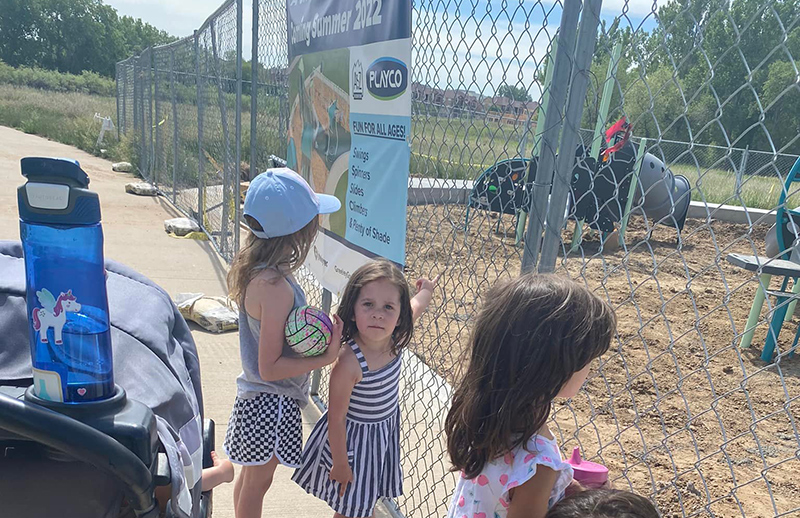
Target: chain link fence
(683,409)
(181,103)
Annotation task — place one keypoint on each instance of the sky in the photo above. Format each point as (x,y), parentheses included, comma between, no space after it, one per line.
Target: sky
(181,17)
(471,44)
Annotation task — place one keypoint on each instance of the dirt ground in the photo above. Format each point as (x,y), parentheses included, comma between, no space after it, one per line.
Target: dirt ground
(676,410)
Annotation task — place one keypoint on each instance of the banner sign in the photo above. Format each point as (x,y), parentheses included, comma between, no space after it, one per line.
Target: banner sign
(350,124)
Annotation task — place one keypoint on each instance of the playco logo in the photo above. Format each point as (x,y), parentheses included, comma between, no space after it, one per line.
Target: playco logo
(387,79)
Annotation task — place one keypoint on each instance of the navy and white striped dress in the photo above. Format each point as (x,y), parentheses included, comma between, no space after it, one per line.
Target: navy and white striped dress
(373,445)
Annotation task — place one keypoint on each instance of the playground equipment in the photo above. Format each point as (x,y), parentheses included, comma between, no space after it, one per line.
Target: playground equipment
(603,189)
(783,259)
(502,188)
(663,196)
(626,181)
(600,187)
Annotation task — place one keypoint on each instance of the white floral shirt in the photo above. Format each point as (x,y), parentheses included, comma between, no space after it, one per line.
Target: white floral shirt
(486,496)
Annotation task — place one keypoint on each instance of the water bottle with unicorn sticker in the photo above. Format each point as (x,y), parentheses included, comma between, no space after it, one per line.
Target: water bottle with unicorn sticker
(62,241)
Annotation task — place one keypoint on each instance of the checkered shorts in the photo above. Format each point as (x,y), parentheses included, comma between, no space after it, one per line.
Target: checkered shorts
(263,426)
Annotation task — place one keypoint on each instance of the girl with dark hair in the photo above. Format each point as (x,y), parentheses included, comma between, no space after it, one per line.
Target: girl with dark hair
(534,340)
(352,457)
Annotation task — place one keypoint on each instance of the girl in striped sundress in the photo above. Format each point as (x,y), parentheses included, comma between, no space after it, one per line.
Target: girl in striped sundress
(352,457)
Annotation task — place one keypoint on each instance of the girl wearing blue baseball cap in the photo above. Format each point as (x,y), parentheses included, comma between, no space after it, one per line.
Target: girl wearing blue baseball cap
(265,428)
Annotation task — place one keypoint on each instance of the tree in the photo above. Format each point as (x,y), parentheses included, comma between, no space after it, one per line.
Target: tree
(781,101)
(18,38)
(515,93)
(139,35)
(71,35)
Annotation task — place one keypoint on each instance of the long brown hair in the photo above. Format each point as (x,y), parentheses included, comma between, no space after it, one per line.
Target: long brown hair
(285,253)
(531,335)
(370,272)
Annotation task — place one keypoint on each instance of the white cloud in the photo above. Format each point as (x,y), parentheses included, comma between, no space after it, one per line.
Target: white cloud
(451,44)
(452,51)
(177,17)
(182,17)
(634,8)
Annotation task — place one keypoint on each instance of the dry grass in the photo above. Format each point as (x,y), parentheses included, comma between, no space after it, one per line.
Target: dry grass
(64,117)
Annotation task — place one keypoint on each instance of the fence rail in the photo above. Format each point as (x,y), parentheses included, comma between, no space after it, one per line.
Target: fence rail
(682,409)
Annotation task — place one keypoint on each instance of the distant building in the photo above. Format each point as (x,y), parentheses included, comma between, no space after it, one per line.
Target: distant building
(464,103)
(459,99)
(509,110)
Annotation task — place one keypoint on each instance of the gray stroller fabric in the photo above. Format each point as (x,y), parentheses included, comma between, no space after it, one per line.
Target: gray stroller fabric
(155,361)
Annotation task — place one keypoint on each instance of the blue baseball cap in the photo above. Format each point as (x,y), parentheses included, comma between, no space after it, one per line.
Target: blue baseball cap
(283,203)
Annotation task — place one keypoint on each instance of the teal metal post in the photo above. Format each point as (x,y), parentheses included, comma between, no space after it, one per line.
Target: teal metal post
(632,191)
(602,116)
(755,311)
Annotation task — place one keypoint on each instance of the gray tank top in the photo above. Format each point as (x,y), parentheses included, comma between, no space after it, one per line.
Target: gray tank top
(249,383)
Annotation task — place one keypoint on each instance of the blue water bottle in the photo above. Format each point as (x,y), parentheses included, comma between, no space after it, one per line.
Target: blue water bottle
(62,241)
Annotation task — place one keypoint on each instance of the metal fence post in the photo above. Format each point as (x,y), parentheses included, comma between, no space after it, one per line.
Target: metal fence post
(237,179)
(116,84)
(590,18)
(544,171)
(254,93)
(155,122)
(125,100)
(150,118)
(201,209)
(740,172)
(226,165)
(174,126)
(540,123)
(142,123)
(327,298)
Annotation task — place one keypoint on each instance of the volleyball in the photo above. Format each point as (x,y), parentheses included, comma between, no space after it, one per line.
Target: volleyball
(308,331)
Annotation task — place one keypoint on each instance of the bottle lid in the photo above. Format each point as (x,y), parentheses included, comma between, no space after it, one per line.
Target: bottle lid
(54,170)
(56,193)
(586,472)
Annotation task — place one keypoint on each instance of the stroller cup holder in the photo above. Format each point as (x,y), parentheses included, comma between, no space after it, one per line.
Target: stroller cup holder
(117,436)
(129,422)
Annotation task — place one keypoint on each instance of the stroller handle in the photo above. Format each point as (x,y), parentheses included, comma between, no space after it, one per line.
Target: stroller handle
(84,443)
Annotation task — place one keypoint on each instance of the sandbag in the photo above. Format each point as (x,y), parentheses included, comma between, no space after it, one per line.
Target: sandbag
(181,226)
(122,167)
(141,189)
(214,314)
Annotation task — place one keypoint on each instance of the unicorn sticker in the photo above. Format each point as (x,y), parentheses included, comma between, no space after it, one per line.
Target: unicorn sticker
(53,313)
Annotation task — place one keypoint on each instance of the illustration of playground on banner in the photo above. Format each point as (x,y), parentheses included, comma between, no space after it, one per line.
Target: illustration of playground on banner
(319,138)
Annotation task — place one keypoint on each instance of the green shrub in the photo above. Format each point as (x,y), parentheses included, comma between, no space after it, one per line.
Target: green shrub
(86,82)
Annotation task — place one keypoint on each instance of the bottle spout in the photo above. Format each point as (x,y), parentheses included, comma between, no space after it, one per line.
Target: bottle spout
(576,457)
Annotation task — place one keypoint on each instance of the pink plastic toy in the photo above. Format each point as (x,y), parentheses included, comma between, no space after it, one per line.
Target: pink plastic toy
(589,474)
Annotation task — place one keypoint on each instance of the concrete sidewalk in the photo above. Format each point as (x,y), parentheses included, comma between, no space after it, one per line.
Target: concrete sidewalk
(134,235)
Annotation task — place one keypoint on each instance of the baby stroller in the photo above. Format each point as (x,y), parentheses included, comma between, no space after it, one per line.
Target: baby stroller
(54,465)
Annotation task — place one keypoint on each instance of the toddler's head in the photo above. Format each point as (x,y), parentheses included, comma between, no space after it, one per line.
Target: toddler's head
(533,340)
(603,503)
(376,305)
(282,213)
